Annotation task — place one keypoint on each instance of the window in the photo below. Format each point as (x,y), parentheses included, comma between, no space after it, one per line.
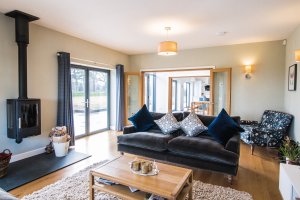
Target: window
(150,85)
(187,94)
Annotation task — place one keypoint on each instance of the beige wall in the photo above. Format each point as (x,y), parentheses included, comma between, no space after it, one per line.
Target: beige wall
(249,97)
(42,74)
(292,98)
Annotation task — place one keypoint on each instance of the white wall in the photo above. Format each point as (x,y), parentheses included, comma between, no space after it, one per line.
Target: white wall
(292,98)
(249,97)
(42,74)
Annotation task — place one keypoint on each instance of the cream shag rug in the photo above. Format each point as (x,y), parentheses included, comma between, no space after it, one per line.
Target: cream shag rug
(76,187)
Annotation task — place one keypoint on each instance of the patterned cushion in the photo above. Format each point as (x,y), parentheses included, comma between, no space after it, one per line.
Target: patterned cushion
(276,120)
(192,125)
(168,123)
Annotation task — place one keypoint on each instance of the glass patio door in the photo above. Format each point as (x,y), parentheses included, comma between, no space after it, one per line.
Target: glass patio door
(90,95)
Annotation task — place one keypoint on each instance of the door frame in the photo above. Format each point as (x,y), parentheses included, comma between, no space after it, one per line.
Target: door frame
(87,95)
(228,92)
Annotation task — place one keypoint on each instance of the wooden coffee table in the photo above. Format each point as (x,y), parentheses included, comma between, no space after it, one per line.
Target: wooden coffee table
(172,182)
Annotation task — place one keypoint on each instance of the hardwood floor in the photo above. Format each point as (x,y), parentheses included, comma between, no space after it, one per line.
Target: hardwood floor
(258,173)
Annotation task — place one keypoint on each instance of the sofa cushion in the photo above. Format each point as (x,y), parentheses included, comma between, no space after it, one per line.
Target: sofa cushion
(142,120)
(146,140)
(192,125)
(168,123)
(223,128)
(202,148)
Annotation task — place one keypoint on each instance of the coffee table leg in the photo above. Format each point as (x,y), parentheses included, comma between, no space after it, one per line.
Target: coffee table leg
(191,189)
(92,182)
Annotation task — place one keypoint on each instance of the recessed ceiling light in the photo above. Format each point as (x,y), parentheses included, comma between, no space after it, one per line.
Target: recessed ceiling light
(221,33)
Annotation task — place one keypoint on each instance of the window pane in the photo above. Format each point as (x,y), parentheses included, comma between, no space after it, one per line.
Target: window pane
(78,96)
(98,105)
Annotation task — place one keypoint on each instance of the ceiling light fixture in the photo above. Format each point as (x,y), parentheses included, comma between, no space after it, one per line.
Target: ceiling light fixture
(167,48)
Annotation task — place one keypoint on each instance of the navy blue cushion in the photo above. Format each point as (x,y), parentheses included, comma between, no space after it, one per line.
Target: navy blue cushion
(142,120)
(223,128)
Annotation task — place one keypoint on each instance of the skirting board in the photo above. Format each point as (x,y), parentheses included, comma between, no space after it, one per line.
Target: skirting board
(27,154)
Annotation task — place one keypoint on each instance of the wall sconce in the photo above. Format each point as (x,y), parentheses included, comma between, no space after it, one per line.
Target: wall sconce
(248,70)
(297,55)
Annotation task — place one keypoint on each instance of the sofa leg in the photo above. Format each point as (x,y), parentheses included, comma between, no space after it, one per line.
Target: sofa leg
(229,179)
(252,149)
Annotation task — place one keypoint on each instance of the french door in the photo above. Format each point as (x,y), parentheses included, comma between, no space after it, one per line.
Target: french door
(91,97)
(133,94)
(220,90)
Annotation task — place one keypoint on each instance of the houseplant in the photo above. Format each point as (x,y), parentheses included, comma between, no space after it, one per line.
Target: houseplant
(290,149)
(60,140)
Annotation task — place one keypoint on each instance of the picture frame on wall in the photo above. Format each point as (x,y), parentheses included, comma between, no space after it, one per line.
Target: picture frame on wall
(292,78)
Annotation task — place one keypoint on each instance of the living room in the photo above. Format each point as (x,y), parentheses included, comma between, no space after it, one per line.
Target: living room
(101,35)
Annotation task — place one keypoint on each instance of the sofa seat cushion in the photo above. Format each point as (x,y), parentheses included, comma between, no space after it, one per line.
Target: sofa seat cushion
(202,148)
(146,140)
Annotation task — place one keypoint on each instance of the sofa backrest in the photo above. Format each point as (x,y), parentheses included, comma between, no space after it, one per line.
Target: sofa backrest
(207,120)
(177,115)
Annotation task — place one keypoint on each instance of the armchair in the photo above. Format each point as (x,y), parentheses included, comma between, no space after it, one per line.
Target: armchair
(269,132)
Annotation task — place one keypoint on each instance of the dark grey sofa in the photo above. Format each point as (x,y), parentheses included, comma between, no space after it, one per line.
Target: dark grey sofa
(199,152)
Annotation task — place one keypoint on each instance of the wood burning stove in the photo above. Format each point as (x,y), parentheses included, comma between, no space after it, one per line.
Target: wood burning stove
(23,114)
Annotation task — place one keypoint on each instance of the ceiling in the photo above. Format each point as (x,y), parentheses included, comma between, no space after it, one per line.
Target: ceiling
(137,26)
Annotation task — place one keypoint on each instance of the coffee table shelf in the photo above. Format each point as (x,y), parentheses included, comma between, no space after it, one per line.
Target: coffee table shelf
(172,182)
(120,191)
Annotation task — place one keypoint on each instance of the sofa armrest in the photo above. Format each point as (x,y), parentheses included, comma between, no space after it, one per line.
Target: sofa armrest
(233,144)
(129,129)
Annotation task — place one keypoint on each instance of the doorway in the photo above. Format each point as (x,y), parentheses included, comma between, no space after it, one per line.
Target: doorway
(91,97)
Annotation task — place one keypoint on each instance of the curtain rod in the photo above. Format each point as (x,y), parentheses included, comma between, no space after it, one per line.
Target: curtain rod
(90,61)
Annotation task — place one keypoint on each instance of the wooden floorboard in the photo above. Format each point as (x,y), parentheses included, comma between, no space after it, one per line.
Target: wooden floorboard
(258,174)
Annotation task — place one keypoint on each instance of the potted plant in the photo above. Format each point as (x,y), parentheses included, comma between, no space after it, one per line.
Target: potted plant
(290,149)
(60,140)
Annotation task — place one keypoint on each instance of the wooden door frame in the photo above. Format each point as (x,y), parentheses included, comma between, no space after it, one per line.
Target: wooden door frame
(228,92)
(126,74)
(170,93)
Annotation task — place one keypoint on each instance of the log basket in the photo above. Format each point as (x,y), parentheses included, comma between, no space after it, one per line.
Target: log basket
(4,162)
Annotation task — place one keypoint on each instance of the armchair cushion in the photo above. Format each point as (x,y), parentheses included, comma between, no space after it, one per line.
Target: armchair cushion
(267,137)
(276,120)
